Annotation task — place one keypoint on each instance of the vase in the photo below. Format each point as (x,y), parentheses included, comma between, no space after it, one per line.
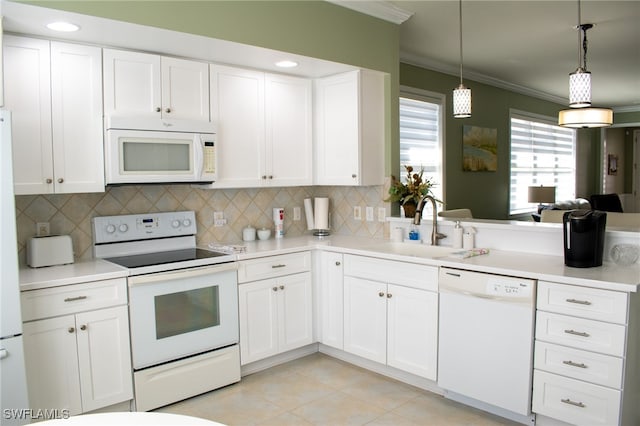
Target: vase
(409,209)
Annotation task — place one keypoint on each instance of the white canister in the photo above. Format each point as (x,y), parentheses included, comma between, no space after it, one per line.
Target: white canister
(249,234)
(468,240)
(397,234)
(457,235)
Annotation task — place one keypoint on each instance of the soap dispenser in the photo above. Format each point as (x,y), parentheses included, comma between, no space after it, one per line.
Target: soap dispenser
(457,235)
(414,233)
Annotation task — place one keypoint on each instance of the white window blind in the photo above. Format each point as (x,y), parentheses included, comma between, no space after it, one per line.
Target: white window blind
(421,137)
(542,153)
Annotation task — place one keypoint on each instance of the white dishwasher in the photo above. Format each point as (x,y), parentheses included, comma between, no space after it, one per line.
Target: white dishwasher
(485,349)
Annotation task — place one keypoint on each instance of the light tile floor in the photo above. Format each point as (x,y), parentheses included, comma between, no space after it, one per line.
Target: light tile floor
(321,390)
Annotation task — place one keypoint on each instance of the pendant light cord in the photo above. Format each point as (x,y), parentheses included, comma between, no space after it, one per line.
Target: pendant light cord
(460,16)
(579,28)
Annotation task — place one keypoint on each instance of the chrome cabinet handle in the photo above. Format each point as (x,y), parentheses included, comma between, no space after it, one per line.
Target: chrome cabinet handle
(354,175)
(453,274)
(578,302)
(83,327)
(158,109)
(60,180)
(274,288)
(73,299)
(381,294)
(570,402)
(270,176)
(281,287)
(574,364)
(338,263)
(49,180)
(278,266)
(264,177)
(71,329)
(168,110)
(389,295)
(577,333)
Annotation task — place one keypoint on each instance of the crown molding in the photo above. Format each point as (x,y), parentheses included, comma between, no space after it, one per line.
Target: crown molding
(629,108)
(376,8)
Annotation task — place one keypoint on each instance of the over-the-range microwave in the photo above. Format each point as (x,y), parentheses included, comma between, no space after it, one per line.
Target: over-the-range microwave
(141,151)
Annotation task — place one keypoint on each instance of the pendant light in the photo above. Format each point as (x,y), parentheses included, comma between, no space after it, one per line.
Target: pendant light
(461,94)
(580,114)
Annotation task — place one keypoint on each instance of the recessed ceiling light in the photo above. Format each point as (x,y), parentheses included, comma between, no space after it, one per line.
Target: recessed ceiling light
(66,27)
(286,64)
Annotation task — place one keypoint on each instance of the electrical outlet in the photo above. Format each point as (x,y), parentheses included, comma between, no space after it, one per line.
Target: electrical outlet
(357,213)
(218,219)
(42,229)
(296,213)
(369,213)
(218,216)
(382,214)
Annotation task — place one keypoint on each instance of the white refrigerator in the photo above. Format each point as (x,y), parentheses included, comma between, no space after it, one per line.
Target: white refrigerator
(13,390)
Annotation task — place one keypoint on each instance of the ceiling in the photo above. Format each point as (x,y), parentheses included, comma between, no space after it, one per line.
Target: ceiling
(529,46)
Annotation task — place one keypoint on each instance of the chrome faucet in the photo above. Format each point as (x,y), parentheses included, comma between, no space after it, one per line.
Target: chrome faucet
(435,235)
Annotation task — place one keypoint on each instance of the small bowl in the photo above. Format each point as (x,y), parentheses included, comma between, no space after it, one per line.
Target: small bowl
(264,233)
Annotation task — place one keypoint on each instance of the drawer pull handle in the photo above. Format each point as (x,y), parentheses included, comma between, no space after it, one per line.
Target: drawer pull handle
(577,333)
(579,302)
(574,364)
(452,274)
(73,299)
(278,266)
(575,404)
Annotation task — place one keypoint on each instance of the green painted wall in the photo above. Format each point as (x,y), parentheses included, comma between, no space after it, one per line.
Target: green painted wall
(487,193)
(313,28)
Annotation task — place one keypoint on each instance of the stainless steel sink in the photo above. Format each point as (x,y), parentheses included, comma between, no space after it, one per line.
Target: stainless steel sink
(415,250)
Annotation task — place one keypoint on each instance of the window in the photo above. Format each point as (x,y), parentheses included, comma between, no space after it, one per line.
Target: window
(542,153)
(421,135)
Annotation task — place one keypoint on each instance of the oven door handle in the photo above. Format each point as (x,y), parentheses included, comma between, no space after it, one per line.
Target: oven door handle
(181,274)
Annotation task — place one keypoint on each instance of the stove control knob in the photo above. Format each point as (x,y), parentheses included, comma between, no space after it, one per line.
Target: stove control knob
(123,227)
(111,229)
(175,223)
(186,222)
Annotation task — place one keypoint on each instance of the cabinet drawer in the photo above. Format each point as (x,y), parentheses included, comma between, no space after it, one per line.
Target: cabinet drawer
(274,266)
(592,303)
(64,300)
(581,333)
(574,401)
(392,272)
(600,369)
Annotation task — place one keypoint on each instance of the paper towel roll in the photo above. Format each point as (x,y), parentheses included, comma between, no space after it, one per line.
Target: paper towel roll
(321,213)
(308,212)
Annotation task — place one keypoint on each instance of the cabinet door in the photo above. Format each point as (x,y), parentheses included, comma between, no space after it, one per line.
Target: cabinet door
(331,299)
(288,130)
(52,364)
(76,94)
(237,108)
(412,321)
(258,320)
(104,357)
(185,89)
(132,84)
(365,318)
(295,311)
(337,130)
(27,94)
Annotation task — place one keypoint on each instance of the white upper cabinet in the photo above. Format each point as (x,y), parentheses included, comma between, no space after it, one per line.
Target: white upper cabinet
(349,129)
(264,128)
(54,91)
(144,85)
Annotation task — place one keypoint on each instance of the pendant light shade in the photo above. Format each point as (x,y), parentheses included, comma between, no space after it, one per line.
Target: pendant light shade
(461,102)
(580,89)
(580,118)
(461,94)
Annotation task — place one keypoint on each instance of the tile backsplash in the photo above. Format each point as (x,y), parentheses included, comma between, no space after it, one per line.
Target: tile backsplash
(72,213)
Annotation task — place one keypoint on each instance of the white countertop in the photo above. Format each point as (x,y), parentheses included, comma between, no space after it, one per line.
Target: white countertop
(73,273)
(541,267)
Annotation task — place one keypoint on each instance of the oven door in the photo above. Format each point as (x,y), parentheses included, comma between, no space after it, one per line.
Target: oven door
(181,313)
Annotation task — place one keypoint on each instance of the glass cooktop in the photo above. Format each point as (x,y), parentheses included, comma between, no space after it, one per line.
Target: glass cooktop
(164,257)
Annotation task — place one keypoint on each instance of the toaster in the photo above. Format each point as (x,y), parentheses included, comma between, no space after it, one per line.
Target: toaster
(50,250)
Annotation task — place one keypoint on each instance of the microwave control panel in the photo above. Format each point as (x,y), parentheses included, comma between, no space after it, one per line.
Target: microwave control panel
(210,158)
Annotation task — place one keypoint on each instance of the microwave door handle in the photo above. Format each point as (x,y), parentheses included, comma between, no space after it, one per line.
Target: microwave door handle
(198,157)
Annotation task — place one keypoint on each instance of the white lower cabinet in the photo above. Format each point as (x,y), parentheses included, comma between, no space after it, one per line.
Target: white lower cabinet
(580,350)
(79,361)
(391,317)
(329,271)
(276,313)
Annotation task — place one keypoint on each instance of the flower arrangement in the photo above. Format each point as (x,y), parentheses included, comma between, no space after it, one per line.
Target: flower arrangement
(413,190)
